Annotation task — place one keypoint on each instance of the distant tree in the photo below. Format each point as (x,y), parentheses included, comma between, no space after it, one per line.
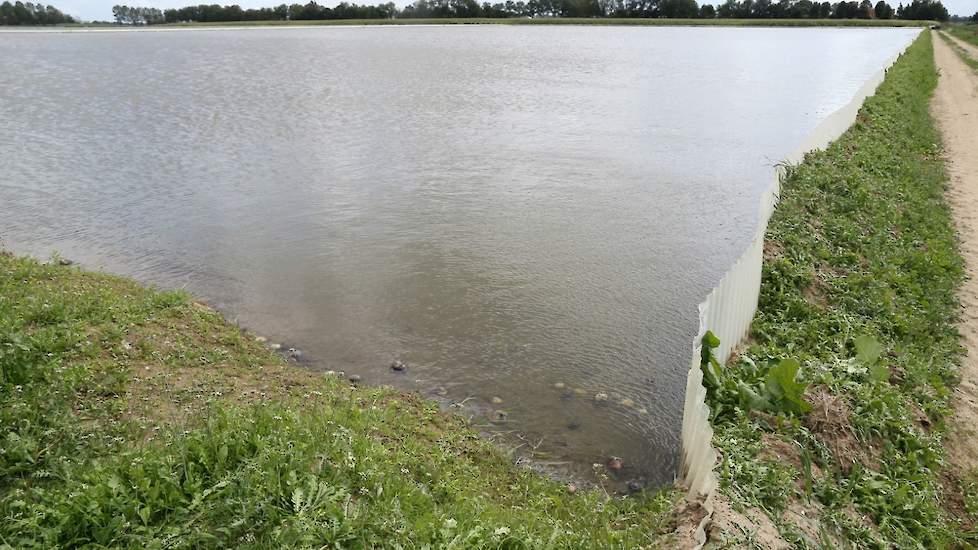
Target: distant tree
(865,10)
(923,10)
(134,15)
(974,17)
(883,10)
(760,9)
(731,9)
(20,13)
(797,9)
(774,9)
(800,10)
(678,8)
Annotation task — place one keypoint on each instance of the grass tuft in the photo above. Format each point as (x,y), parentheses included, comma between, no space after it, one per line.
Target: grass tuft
(966,32)
(137,418)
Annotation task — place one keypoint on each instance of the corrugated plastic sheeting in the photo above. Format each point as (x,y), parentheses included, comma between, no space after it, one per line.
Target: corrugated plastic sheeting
(730,307)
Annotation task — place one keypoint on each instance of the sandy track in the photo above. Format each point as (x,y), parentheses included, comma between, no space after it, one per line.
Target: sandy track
(955,107)
(972,50)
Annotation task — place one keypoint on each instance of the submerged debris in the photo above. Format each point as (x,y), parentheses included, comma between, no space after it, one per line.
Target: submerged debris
(354,378)
(399,366)
(600,397)
(496,400)
(615,464)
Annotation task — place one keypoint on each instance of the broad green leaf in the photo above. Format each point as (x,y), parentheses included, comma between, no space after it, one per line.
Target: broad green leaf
(784,389)
(710,376)
(751,399)
(711,367)
(880,373)
(868,350)
(710,340)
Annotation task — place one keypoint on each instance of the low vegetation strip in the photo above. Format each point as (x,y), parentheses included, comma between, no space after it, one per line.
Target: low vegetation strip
(136,418)
(831,419)
(968,33)
(963,54)
(966,51)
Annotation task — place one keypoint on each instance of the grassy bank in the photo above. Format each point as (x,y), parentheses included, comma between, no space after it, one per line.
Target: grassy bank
(968,33)
(137,418)
(660,22)
(962,54)
(859,281)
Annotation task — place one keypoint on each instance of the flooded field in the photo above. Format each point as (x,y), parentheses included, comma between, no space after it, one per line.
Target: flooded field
(526,216)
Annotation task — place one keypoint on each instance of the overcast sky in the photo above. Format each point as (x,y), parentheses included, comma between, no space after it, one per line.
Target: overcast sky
(91,10)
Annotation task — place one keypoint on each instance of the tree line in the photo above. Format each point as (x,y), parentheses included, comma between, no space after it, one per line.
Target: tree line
(214,13)
(741,9)
(131,15)
(20,13)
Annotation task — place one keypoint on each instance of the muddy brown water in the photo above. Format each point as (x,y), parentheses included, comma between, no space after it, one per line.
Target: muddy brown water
(507,209)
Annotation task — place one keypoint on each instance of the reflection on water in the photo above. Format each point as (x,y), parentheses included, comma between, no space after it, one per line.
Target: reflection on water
(523,213)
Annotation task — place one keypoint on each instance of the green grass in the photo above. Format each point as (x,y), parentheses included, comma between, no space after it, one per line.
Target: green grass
(576,21)
(860,249)
(968,33)
(962,54)
(136,418)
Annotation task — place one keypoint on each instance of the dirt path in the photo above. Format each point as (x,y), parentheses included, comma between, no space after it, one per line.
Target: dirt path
(972,50)
(955,107)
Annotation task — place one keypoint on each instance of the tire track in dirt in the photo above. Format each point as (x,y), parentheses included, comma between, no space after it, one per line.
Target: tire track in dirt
(970,49)
(955,109)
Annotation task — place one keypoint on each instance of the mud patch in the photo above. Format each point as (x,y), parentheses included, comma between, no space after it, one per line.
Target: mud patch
(689,517)
(751,528)
(816,293)
(772,250)
(830,422)
(779,450)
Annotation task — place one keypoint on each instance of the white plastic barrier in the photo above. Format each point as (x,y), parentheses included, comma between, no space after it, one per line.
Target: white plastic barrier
(730,307)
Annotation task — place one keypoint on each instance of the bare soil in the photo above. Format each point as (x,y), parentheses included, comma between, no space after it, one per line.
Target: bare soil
(969,48)
(830,421)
